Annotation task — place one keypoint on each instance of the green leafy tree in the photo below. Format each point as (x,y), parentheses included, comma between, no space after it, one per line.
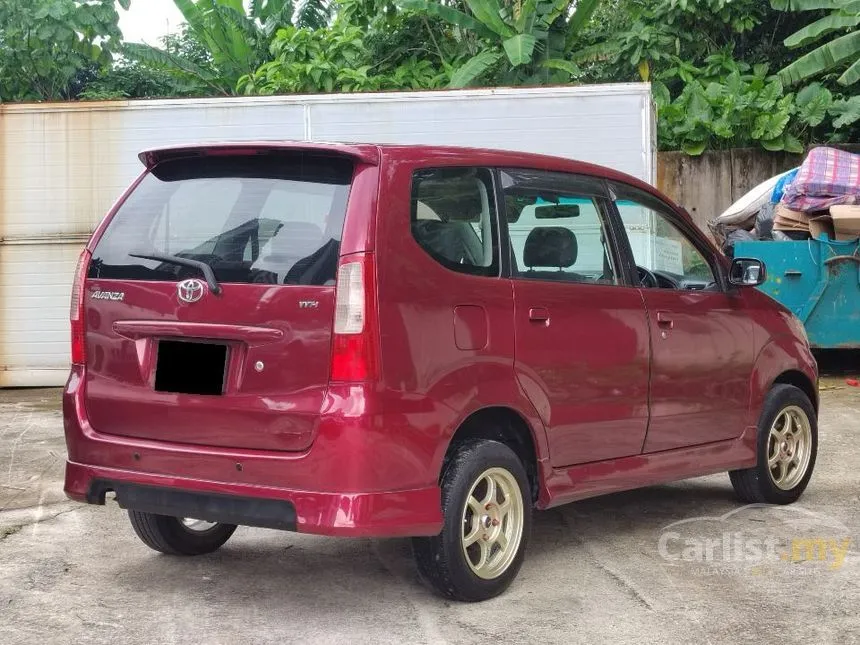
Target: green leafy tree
(48,46)
(235,37)
(337,59)
(312,60)
(707,61)
(817,106)
(641,38)
(370,45)
(842,49)
(128,80)
(313,14)
(131,78)
(393,37)
(512,42)
(726,104)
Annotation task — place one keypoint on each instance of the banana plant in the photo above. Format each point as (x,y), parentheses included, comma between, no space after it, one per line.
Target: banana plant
(518,41)
(842,50)
(235,34)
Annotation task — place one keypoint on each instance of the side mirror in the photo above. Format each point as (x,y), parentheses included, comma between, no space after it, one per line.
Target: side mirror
(747,272)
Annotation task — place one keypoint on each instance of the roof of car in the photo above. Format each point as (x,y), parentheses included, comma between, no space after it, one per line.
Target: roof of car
(372,153)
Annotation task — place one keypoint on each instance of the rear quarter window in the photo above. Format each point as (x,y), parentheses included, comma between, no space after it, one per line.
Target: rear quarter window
(275,219)
(453,218)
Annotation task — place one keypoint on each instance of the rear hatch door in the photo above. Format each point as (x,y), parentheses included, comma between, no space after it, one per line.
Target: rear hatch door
(240,359)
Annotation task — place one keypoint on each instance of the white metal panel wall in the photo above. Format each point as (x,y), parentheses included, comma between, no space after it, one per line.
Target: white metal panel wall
(34,286)
(603,124)
(63,165)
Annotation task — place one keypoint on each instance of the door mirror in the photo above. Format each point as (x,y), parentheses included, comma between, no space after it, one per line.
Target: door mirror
(747,272)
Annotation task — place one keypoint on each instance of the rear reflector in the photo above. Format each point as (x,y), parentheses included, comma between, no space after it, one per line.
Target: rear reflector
(354,346)
(76,310)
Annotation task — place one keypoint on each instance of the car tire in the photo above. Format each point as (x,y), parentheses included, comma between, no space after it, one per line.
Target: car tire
(786,448)
(486,505)
(174,536)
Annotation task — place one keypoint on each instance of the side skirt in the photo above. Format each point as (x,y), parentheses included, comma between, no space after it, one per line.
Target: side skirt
(563,485)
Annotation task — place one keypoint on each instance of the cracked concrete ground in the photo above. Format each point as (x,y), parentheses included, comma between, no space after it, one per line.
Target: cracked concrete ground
(602,570)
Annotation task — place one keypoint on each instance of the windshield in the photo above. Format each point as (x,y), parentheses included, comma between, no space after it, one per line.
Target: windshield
(275,219)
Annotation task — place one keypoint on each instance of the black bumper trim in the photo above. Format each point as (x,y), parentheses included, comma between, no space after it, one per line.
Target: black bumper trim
(211,507)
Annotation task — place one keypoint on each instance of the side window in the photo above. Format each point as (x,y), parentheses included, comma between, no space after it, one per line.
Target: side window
(659,246)
(453,218)
(557,227)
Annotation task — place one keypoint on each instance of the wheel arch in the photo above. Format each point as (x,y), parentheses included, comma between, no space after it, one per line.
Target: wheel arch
(782,360)
(802,382)
(505,425)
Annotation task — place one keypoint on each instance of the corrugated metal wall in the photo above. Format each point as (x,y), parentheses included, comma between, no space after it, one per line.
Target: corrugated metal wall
(62,165)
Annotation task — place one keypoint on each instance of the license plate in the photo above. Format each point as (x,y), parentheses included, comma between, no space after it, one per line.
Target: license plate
(190,367)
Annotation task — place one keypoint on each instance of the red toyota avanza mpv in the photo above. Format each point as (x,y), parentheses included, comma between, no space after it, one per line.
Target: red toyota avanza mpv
(364,340)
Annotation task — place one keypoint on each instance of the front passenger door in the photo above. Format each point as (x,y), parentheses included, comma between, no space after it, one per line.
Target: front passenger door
(701,338)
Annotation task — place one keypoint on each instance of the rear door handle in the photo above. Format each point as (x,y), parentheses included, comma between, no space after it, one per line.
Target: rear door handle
(664,319)
(538,314)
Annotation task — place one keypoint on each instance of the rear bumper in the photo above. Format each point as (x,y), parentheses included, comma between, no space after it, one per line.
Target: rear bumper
(381,514)
(364,475)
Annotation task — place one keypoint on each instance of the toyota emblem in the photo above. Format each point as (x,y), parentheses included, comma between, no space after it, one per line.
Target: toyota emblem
(190,290)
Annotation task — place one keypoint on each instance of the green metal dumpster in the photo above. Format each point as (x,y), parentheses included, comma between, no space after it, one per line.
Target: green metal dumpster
(819,280)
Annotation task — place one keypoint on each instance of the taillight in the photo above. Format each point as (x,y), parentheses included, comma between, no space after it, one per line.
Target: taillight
(354,355)
(76,313)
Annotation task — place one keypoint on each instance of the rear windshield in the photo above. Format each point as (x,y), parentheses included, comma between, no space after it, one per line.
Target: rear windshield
(273,219)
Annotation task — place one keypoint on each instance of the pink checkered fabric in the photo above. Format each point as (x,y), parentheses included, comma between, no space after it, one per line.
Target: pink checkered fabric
(826,177)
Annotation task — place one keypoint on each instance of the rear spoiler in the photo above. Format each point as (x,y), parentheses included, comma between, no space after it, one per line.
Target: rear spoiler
(366,153)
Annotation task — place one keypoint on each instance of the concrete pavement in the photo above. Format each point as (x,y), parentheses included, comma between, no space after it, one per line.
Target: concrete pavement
(626,568)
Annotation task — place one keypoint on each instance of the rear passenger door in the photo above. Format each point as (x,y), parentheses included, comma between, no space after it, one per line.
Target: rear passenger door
(582,345)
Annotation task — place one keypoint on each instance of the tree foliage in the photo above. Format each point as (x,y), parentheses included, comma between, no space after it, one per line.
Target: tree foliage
(133,78)
(727,104)
(47,47)
(709,63)
(235,36)
(524,42)
(339,58)
(724,73)
(841,51)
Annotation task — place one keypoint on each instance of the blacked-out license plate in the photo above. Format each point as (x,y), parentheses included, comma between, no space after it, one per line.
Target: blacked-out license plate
(190,367)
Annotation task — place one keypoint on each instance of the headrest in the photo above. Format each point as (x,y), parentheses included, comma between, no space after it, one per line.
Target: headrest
(550,246)
(296,239)
(454,241)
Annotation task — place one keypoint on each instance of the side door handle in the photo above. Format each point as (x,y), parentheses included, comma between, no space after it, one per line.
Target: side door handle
(664,319)
(539,314)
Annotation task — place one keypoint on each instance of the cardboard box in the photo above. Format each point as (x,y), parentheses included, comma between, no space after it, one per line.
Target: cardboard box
(846,222)
(784,212)
(821,224)
(785,219)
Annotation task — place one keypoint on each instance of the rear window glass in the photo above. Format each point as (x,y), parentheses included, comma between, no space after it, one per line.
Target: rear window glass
(272,219)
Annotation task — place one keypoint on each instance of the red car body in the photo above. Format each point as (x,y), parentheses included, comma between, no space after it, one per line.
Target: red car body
(605,388)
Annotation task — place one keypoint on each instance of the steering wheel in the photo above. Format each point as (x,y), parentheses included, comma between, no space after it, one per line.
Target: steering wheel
(647,279)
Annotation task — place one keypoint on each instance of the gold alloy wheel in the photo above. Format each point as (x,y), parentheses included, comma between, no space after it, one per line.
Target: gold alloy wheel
(789,447)
(492,523)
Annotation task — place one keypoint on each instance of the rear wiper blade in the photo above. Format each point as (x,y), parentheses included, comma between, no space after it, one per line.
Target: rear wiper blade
(204,268)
